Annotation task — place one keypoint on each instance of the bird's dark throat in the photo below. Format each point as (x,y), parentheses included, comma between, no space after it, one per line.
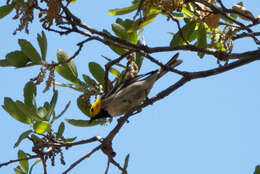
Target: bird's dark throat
(102,114)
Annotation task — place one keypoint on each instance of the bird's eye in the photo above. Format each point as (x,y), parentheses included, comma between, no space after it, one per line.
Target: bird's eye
(92,110)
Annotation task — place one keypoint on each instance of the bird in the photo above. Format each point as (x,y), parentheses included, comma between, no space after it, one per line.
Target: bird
(129,94)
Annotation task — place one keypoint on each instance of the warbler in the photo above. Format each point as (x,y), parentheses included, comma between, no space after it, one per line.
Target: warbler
(129,94)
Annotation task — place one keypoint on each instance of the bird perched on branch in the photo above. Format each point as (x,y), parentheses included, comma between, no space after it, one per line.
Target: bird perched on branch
(130,93)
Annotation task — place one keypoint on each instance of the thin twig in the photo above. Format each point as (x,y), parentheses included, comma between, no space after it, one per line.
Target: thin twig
(58,31)
(17,160)
(179,27)
(152,59)
(140,6)
(218,54)
(81,159)
(244,34)
(118,166)
(108,165)
(110,64)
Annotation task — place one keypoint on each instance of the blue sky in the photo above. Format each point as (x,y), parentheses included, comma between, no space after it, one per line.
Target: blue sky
(209,125)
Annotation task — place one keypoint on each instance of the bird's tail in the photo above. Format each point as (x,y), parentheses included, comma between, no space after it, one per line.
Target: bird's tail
(170,64)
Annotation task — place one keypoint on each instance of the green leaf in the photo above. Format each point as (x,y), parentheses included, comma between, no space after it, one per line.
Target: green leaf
(63,57)
(202,39)
(149,19)
(31,168)
(36,115)
(67,70)
(85,123)
(42,42)
(226,19)
(28,65)
(114,71)
(187,12)
(17,59)
(240,3)
(29,51)
(139,60)
(22,137)
(29,112)
(89,81)
(29,92)
(52,105)
(126,163)
(257,170)
(24,108)
(5,10)
(69,139)
(132,36)
(62,112)
(18,170)
(142,22)
(187,32)
(122,11)
(194,35)
(36,139)
(235,15)
(41,127)
(4,63)
(97,72)
(65,73)
(119,30)
(178,15)
(129,33)
(24,163)
(124,30)
(201,54)
(11,107)
(60,130)
(42,112)
(118,50)
(34,101)
(83,105)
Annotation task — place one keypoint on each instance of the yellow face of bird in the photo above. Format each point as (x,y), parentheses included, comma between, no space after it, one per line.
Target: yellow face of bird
(95,108)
